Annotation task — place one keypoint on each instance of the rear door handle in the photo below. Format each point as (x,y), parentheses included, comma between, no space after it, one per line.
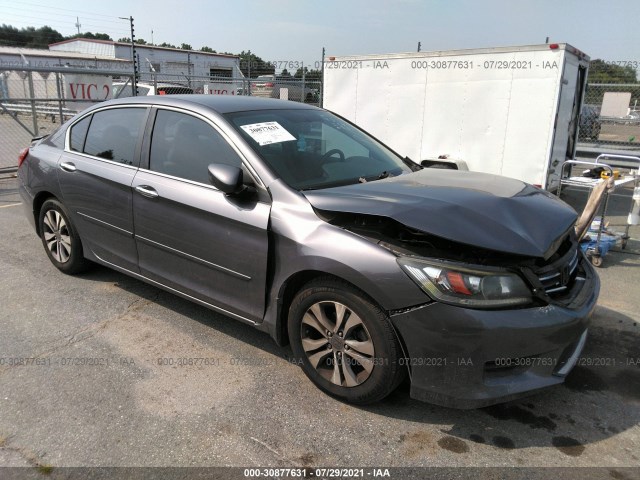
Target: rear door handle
(147,191)
(67,166)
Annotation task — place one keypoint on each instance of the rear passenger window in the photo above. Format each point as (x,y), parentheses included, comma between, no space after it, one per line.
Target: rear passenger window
(114,133)
(79,133)
(184,146)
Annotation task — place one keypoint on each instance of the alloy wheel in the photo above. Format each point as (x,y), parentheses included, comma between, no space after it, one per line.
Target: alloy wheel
(57,236)
(337,343)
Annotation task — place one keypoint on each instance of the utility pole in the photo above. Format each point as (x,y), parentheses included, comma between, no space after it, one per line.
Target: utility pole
(78,25)
(419,46)
(134,80)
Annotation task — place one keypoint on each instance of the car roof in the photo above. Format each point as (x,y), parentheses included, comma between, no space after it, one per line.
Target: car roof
(218,103)
(150,84)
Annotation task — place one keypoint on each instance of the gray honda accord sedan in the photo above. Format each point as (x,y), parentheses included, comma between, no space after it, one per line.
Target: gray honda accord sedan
(291,219)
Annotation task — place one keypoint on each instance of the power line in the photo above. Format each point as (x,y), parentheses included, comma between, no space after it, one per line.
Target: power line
(75,12)
(63,29)
(66,15)
(58,22)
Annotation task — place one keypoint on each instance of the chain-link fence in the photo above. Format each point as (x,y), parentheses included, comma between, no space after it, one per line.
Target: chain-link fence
(34,101)
(611,115)
(268,86)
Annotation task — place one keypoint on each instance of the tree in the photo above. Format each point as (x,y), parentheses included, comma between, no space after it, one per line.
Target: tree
(285,73)
(601,71)
(207,49)
(249,61)
(186,46)
(29,37)
(139,41)
(94,36)
(311,75)
(167,45)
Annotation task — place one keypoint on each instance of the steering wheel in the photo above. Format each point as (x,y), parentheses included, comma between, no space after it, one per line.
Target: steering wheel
(331,153)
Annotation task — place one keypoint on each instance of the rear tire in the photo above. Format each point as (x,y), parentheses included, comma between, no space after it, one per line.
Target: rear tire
(60,239)
(344,342)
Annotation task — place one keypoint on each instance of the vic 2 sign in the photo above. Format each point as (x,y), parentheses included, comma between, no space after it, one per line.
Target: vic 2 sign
(219,89)
(87,87)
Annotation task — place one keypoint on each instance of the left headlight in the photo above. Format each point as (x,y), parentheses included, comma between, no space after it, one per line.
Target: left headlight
(474,287)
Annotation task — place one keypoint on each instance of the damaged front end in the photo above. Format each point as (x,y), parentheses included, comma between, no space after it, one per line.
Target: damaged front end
(498,326)
(452,272)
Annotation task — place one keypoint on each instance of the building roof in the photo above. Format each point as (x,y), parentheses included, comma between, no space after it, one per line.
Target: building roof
(153,47)
(40,52)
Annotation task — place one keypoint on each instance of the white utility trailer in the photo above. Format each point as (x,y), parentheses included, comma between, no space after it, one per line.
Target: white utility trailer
(511,111)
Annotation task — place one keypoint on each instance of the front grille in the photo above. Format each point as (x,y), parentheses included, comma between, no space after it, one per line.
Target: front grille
(559,276)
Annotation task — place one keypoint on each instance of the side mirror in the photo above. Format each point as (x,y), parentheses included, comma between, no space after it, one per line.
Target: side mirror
(226,178)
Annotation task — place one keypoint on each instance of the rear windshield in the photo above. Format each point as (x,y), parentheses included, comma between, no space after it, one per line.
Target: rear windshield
(313,149)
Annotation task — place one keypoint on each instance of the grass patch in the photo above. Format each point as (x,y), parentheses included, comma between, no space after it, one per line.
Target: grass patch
(45,469)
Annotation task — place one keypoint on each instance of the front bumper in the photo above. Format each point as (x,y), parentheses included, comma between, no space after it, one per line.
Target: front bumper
(464,358)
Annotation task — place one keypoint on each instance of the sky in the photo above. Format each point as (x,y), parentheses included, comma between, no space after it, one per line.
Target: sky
(297,30)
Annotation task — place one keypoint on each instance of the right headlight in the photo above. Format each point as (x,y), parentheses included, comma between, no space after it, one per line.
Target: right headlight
(473,286)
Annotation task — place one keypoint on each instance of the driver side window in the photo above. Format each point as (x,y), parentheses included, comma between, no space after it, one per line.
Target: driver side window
(184,146)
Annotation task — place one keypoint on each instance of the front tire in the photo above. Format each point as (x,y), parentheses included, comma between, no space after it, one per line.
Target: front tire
(60,239)
(344,342)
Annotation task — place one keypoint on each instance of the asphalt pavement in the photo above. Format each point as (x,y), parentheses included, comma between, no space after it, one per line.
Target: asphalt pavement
(104,370)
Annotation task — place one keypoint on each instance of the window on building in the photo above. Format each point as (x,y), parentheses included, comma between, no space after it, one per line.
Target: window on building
(220,73)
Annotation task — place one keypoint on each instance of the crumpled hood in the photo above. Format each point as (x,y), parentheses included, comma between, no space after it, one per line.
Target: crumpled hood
(483,210)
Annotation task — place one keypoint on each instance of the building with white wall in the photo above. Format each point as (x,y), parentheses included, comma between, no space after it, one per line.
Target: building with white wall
(12,58)
(165,61)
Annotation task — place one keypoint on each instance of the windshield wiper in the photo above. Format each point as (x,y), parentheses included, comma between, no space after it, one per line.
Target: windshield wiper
(384,174)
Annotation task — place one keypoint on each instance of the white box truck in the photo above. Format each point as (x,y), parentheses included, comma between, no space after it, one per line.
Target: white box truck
(512,111)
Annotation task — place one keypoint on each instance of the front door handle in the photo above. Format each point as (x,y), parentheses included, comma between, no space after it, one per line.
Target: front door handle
(67,166)
(147,191)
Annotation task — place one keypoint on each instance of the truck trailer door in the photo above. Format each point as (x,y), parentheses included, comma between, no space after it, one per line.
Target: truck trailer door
(565,135)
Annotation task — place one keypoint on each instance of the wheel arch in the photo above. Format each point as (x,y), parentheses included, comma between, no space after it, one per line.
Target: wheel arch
(288,290)
(38,201)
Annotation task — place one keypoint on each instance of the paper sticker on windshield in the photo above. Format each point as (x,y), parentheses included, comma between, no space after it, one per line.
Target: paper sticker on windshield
(268,132)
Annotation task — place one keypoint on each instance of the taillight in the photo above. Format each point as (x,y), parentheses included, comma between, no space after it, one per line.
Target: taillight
(22,156)
(554,46)
(269,84)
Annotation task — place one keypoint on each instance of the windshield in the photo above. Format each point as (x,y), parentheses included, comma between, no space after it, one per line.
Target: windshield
(312,149)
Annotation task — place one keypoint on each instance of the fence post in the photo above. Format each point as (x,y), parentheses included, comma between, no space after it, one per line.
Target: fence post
(58,80)
(249,74)
(322,81)
(32,98)
(304,95)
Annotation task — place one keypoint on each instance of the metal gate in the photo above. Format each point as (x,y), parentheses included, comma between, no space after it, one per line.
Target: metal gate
(34,101)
